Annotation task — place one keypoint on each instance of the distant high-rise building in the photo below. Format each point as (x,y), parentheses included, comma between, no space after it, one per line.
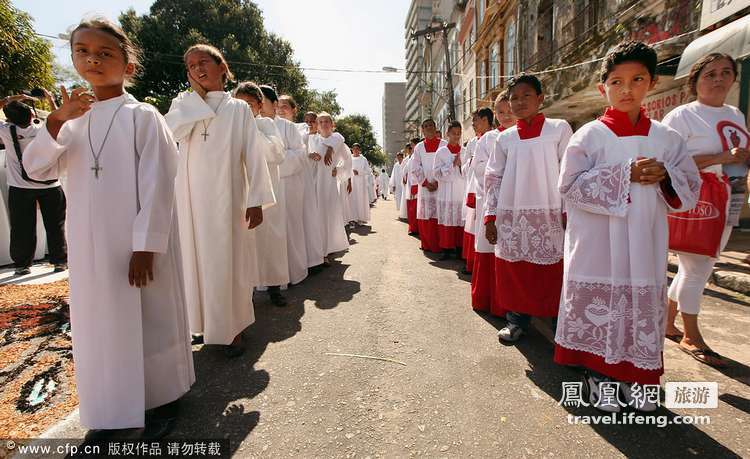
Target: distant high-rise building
(395,134)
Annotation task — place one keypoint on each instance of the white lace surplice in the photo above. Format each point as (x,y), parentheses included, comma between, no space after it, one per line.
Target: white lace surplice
(451,188)
(614,287)
(521,190)
(421,168)
(485,145)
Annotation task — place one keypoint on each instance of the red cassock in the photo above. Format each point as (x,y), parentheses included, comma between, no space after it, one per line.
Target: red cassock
(467,251)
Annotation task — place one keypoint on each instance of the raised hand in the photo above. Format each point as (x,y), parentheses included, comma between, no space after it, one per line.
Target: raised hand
(73,106)
(200,90)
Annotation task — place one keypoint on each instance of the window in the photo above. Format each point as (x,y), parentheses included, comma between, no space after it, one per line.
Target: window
(510,48)
(480,11)
(494,65)
(482,78)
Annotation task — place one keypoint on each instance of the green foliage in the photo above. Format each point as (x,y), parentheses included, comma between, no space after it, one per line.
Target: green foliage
(358,129)
(233,26)
(25,58)
(318,101)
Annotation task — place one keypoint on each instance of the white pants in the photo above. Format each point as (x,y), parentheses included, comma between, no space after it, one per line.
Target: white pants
(692,274)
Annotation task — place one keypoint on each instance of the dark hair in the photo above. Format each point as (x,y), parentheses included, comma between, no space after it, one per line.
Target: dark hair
(525,78)
(290,100)
(313,114)
(428,120)
(250,89)
(215,55)
(356,145)
(454,124)
(487,114)
(400,153)
(130,51)
(269,93)
(700,64)
(629,51)
(415,140)
(18,113)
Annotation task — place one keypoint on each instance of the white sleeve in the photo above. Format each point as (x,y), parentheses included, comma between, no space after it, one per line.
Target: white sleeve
(44,157)
(260,191)
(187,109)
(157,168)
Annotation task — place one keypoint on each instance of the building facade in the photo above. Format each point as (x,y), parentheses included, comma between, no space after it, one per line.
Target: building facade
(395,134)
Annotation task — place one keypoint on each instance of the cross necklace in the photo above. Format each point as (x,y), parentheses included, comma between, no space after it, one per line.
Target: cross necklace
(204,134)
(96,168)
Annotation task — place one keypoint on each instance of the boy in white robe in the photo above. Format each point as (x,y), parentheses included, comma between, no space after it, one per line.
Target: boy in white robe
(358,199)
(451,191)
(425,186)
(383,184)
(223,184)
(395,180)
(131,344)
(620,177)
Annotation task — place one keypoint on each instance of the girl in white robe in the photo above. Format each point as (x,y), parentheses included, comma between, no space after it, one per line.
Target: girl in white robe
(223,184)
(328,149)
(359,198)
(395,180)
(131,344)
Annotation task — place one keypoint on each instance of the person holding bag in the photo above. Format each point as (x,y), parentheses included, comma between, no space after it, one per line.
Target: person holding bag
(25,193)
(717,137)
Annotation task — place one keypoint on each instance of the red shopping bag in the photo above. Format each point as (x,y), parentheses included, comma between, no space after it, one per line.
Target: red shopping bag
(699,230)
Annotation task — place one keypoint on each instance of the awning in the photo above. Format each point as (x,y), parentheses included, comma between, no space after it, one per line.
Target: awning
(732,39)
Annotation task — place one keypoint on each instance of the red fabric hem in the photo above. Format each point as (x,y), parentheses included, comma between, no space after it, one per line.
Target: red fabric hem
(483,282)
(411,215)
(489,218)
(428,234)
(450,237)
(528,288)
(623,371)
(468,253)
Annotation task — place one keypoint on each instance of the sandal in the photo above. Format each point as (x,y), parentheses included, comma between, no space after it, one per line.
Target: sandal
(703,355)
(677,337)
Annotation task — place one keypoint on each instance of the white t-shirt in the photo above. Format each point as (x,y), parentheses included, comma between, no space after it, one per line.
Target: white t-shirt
(12,166)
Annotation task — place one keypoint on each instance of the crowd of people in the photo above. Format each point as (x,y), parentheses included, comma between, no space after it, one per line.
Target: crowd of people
(226,194)
(222,196)
(575,227)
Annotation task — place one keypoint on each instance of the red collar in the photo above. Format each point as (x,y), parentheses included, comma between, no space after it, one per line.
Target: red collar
(431,145)
(530,130)
(619,123)
(500,128)
(455,149)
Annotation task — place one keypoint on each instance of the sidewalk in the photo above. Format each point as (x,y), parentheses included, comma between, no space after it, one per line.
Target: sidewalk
(731,272)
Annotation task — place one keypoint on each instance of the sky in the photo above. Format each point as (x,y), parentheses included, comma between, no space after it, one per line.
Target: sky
(330,34)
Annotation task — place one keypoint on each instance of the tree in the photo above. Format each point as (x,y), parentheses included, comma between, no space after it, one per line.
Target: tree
(318,101)
(357,128)
(26,59)
(233,26)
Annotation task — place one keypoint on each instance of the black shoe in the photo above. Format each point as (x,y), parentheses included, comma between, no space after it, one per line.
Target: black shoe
(233,351)
(161,420)
(22,271)
(445,256)
(196,339)
(465,271)
(277,299)
(60,267)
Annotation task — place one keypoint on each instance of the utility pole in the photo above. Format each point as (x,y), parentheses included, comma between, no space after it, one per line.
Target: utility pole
(428,33)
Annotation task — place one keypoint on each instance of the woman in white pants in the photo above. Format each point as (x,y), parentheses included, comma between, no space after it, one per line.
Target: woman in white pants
(717,137)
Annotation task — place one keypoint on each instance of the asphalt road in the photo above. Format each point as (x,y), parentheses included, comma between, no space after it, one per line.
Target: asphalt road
(449,388)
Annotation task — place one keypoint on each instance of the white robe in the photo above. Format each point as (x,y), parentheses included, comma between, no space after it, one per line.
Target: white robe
(216,181)
(371,191)
(327,189)
(485,145)
(293,183)
(469,212)
(345,172)
(383,182)
(614,286)
(358,200)
(131,346)
(421,168)
(451,191)
(520,185)
(271,235)
(406,190)
(314,244)
(396,183)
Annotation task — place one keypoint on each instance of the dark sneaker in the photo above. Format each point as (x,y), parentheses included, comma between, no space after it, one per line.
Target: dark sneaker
(22,271)
(60,268)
